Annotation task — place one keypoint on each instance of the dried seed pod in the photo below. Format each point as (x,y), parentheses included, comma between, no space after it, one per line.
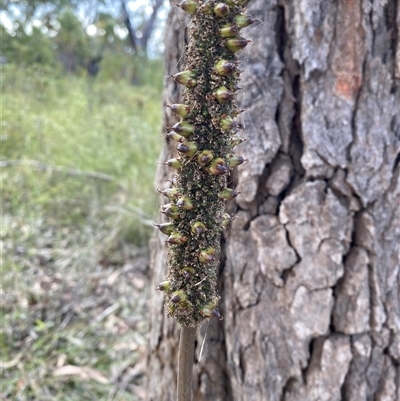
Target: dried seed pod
(225,68)
(175,163)
(235,160)
(181,110)
(208,255)
(242,20)
(198,228)
(188,6)
(183,128)
(228,193)
(186,78)
(176,238)
(205,157)
(178,297)
(218,167)
(187,148)
(166,228)
(222,94)
(221,10)
(236,44)
(229,30)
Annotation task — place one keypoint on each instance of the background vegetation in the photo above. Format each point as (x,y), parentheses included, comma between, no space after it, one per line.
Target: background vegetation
(78,155)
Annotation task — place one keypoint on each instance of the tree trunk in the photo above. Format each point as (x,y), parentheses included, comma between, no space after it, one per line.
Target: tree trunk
(310,278)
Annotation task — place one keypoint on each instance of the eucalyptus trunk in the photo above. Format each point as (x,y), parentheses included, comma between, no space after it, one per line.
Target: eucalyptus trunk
(310,277)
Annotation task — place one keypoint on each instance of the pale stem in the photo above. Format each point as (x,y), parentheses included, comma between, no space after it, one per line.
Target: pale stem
(186,359)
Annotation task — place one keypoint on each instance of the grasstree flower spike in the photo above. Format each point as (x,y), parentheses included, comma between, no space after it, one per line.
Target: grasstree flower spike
(205,138)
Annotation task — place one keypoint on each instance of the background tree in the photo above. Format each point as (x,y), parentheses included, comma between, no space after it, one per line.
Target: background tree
(310,280)
(78,31)
(140,31)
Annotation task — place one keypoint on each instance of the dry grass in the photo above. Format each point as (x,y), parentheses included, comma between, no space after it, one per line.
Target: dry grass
(73,310)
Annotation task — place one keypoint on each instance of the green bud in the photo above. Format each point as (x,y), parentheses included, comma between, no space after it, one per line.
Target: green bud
(188,272)
(185,78)
(222,94)
(175,163)
(187,148)
(198,228)
(178,297)
(206,8)
(243,20)
(236,44)
(208,255)
(226,219)
(218,167)
(170,193)
(236,2)
(236,112)
(188,6)
(229,30)
(225,68)
(183,128)
(164,286)
(221,10)
(185,203)
(235,160)
(236,140)
(175,136)
(181,110)
(227,123)
(233,87)
(205,157)
(176,238)
(228,193)
(209,310)
(166,228)
(216,313)
(170,210)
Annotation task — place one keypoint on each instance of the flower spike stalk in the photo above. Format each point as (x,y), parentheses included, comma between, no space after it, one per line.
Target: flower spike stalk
(205,140)
(205,136)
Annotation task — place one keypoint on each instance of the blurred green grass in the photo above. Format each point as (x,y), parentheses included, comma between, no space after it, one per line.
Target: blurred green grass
(102,126)
(78,162)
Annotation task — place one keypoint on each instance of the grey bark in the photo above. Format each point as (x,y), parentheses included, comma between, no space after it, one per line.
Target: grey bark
(310,276)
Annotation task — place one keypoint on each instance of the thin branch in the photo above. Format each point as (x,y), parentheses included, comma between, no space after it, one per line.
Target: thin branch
(129,26)
(185,367)
(149,25)
(49,168)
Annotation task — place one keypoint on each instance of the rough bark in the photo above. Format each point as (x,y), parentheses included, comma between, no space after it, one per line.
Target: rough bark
(310,279)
